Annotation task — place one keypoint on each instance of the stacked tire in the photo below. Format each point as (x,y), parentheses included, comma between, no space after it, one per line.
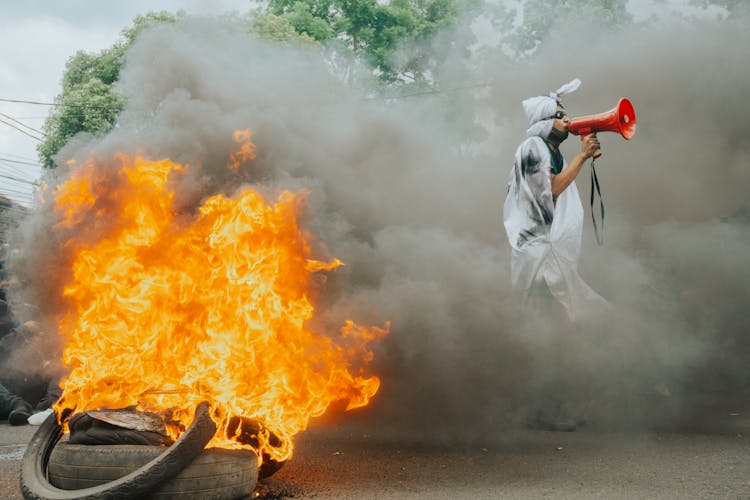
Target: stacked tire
(214,474)
(184,469)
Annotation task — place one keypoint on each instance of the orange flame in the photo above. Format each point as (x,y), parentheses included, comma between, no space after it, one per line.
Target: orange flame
(165,313)
(246,150)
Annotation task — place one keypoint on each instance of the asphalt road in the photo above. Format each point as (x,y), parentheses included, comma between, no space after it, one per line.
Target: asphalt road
(590,463)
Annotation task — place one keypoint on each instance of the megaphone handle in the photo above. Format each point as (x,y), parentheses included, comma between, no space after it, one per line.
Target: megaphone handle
(597,153)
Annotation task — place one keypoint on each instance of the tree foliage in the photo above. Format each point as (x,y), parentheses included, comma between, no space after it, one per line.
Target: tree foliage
(91,106)
(372,31)
(540,18)
(88,102)
(403,42)
(377,32)
(278,29)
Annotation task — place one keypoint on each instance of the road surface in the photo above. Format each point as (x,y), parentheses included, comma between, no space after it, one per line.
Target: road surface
(590,463)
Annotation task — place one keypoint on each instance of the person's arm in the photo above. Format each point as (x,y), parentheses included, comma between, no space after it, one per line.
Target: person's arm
(562,180)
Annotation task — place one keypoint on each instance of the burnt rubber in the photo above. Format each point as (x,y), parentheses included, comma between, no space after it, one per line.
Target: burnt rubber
(214,474)
(137,484)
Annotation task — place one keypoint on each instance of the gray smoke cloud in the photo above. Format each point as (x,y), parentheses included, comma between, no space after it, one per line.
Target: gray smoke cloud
(409,196)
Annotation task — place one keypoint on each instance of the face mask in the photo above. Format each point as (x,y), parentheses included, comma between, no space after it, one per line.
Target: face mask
(557,136)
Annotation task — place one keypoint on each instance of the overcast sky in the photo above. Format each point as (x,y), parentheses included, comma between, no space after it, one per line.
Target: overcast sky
(38,36)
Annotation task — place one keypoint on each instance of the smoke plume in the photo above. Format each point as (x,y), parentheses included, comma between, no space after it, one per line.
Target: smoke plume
(409,197)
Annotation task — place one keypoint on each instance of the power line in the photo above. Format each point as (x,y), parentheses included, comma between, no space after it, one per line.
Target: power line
(21,162)
(429,92)
(10,185)
(26,101)
(14,195)
(30,102)
(6,188)
(403,96)
(25,195)
(58,104)
(15,168)
(5,168)
(16,200)
(27,158)
(15,212)
(22,124)
(18,179)
(20,130)
(15,189)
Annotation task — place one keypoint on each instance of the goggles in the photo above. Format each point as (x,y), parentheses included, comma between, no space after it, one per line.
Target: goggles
(558,115)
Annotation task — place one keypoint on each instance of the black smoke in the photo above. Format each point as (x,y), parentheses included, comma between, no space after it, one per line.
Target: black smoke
(409,196)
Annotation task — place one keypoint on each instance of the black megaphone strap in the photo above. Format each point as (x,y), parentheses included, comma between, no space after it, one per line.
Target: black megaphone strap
(595,183)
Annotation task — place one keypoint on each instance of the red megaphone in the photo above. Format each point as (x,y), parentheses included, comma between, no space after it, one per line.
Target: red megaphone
(619,119)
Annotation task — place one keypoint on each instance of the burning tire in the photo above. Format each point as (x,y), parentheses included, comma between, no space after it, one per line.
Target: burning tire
(137,484)
(215,473)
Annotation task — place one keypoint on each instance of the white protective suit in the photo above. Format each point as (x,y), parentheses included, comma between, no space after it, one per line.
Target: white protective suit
(545,235)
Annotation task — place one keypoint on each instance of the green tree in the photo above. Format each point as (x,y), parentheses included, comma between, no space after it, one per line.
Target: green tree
(390,36)
(91,106)
(88,102)
(372,32)
(540,18)
(278,29)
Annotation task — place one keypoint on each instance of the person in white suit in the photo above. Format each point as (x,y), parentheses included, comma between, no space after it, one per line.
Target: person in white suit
(543,218)
(543,214)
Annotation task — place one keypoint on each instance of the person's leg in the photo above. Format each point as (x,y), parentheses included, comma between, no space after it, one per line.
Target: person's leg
(53,394)
(546,321)
(13,407)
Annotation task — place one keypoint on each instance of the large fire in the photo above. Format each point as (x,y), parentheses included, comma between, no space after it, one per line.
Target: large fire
(166,310)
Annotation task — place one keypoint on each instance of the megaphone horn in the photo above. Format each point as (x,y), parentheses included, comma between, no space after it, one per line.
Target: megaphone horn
(620,119)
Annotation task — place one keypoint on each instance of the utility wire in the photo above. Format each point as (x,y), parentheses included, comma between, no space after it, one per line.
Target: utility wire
(16,189)
(429,92)
(29,102)
(21,162)
(16,198)
(18,179)
(24,195)
(58,104)
(15,168)
(103,106)
(20,130)
(22,124)
(11,211)
(5,168)
(27,158)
